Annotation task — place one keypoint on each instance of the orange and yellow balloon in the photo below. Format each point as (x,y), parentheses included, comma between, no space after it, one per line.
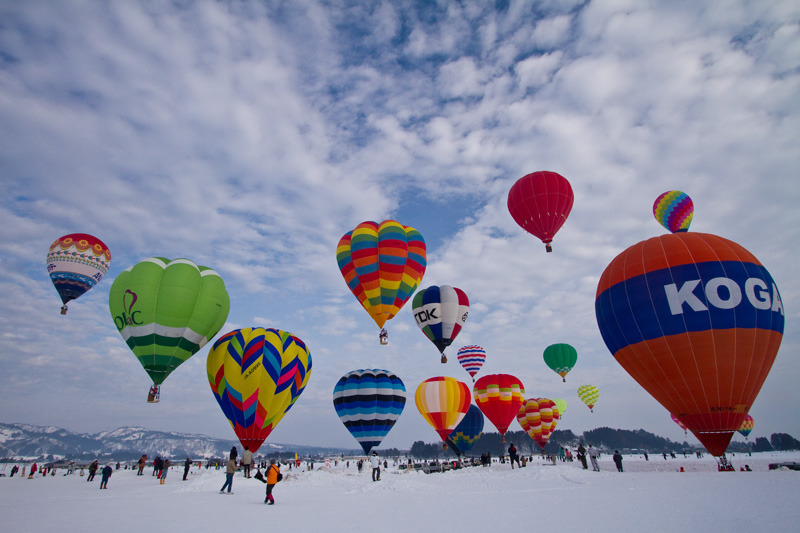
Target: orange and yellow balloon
(443,401)
(538,417)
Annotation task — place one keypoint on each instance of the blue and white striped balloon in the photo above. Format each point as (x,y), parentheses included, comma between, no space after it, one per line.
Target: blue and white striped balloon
(369,402)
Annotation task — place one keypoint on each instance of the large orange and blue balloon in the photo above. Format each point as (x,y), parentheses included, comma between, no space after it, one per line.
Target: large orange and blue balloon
(540,203)
(443,402)
(499,397)
(471,358)
(697,321)
(560,358)
(369,402)
(441,312)
(76,263)
(467,432)
(382,264)
(674,210)
(256,376)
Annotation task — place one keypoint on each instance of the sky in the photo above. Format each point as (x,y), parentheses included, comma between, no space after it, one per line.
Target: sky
(250,136)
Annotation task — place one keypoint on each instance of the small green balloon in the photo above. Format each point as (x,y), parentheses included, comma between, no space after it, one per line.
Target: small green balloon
(560,358)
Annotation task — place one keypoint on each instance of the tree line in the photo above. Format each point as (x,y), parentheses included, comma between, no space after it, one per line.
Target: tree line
(604,438)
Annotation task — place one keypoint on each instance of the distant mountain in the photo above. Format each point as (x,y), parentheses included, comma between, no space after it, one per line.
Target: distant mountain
(25,441)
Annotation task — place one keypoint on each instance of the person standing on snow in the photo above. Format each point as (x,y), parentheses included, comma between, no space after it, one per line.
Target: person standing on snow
(93,470)
(618,460)
(106,473)
(230,469)
(582,456)
(247,461)
(141,464)
(273,472)
(512,456)
(187,464)
(376,466)
(164,471)
(593,455)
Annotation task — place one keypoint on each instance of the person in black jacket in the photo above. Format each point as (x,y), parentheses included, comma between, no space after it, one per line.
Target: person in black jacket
(106,473)
(186,465)
(617,460)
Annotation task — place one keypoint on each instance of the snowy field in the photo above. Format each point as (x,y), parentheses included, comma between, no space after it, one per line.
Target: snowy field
(649,496)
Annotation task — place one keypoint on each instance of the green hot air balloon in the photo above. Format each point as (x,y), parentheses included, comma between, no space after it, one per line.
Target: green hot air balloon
(560,358)
(167,310)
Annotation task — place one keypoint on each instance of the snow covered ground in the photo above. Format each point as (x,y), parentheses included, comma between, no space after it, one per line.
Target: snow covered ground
(649,496)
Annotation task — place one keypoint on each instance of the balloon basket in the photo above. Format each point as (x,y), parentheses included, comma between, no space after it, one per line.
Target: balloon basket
(383,337)
(63,309)
(154,394)
(444,359)
(548,248)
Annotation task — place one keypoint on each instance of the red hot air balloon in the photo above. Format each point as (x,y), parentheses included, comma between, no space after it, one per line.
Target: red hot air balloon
(499,397)
(697,321)
(540,203)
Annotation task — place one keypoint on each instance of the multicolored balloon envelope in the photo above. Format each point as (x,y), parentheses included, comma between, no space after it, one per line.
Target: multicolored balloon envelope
(538,417)
(560,358)
(499,397)
(76,262)
(680,424)
(369,402)
(472,359)
(467,432)
(441,312)
(589,394)
(747,426)
(167,310)
(382,264)
(443,401)
(256,376)
(697,321)
(674,210)
(540,203)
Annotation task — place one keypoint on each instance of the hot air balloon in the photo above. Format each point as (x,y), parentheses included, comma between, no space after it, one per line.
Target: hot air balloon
(76,262)
(167,310)
(560,358)
(467,432)
(562,406)
(472,359)
(256,375)
(440,312)
(747,426)
(588,395)
(499,397)
(697,321)
(443,402)
(369,402)
(680,424)
(382,265)
(674,210)
(540,203)
(538,418)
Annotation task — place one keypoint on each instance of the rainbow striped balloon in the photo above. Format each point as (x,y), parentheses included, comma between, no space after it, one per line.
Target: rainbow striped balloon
(382,264)
(472,359)
(674,211)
